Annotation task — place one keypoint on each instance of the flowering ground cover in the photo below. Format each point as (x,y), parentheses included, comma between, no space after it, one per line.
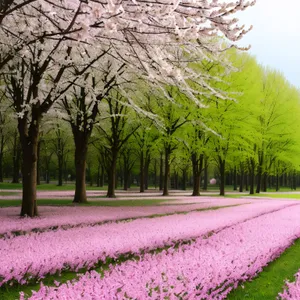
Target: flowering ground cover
(206,269)
(292,290)
(37,254)
(53,216)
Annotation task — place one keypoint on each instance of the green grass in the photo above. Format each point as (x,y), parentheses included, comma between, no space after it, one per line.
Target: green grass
(291,196)
(47,187)
(117,203)
(275,196)
(10,193)
(271,281)
(12,293)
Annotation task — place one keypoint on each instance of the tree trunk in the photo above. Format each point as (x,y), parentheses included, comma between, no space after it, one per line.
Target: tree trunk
(258,186)
(1,167)
(259,172)
(98,175)
(60,170)
(126,173)
(161,175)
(234,179)
(29,143)
(1,157)
(167,171)
(241,178)
(184,175)
(205,176)
(294,181)
(251,175)
(81,147)
(277,181)
(38,181)
(222,176)
(155,173)
(111,172)
(16,158)
(146,170)
(126,180)
(264,182)
(197,169)
(246,182)
(142,172)
(176,181)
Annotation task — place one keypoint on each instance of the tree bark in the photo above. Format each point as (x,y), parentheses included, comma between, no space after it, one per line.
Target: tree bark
(251,175)
(176,181)
(197,169)
(246,182)
(184,178)
(161,175)
(101,183)
(222,176)
(205,176)
(142,172)
(167,170)
(29,144)
(146,169)
(235,179)
(16,158)
(241,178)
(81,147)
(38,179)
(126,173)
(155,174)
(277,181)
(259,172)
(1,157)
(60,170)
(264,182)
(111,172)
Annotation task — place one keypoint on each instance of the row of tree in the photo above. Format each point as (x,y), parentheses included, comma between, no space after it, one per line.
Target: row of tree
(251,138)
(71,57)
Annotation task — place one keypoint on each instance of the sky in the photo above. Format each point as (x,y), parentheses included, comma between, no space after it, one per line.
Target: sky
(275,37)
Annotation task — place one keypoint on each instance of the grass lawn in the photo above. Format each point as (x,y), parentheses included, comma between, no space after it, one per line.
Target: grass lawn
(9,193)
(271,281)
(291,196)
(117,203)
(47,187)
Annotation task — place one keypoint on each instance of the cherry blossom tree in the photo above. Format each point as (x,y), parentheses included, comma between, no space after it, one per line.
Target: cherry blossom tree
(47,47)
(36,73)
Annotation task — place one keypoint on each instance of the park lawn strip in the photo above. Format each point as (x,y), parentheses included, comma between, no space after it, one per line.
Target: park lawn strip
(285,196)
(271,281)
(48,187)
(294,196)
(69,202)
(4,193)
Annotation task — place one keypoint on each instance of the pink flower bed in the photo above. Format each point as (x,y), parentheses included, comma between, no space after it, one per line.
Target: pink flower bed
(38,254)
(206,269)
(53,216)
(292,292)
